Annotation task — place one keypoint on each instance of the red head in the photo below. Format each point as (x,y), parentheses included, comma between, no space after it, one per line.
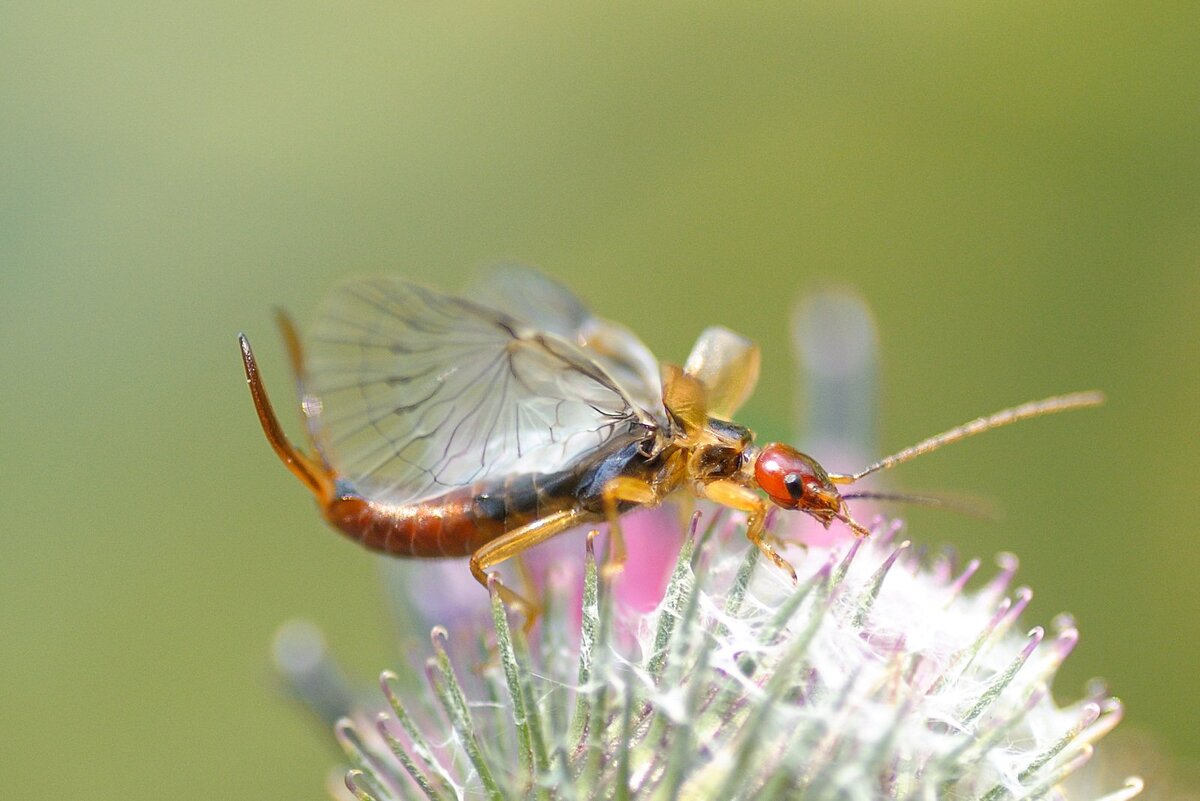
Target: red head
(795,481)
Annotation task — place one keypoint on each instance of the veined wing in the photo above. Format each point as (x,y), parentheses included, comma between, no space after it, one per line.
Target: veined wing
(529,295)
(414,392)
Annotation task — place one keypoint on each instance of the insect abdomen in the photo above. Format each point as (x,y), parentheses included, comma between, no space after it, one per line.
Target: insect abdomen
(455,524)
(462,520)
(440,527)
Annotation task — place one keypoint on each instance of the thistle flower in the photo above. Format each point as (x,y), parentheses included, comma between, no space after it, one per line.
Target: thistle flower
(878,677)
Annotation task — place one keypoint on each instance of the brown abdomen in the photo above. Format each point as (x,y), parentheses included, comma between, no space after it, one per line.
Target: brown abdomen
(454,524)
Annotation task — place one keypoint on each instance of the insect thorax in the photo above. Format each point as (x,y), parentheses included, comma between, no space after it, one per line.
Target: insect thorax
(718,451)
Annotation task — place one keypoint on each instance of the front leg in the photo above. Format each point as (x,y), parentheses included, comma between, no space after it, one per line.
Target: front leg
(735,496)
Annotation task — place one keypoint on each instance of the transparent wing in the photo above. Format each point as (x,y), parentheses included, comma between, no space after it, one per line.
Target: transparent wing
(414,392)
(529,295)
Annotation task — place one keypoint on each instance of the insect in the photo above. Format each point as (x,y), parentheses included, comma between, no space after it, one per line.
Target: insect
(480,426)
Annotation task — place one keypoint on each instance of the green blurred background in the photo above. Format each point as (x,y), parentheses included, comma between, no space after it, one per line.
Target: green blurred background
(1015,188)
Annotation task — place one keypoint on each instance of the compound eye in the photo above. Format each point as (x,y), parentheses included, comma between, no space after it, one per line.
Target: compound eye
(794,483)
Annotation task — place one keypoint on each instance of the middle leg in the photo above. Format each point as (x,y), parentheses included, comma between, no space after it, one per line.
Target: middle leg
(623,489)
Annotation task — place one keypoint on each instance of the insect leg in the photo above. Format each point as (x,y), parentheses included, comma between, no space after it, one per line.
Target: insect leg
(514,542)
(744,499)
(623,489)
(318,478)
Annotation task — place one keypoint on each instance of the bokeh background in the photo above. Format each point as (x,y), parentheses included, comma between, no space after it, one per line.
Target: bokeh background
(1014,187)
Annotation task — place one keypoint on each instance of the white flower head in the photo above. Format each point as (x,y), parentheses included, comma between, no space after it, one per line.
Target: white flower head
(878,677)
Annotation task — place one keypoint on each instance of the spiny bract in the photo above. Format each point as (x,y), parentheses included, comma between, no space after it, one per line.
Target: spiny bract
(878,677)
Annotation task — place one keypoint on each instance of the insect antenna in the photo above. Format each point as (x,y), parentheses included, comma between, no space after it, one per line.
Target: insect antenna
(973,507)
(1026,411)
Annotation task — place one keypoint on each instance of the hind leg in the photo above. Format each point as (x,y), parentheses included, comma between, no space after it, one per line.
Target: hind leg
(513,543)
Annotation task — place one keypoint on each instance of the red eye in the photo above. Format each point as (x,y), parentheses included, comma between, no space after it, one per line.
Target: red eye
(783,473)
